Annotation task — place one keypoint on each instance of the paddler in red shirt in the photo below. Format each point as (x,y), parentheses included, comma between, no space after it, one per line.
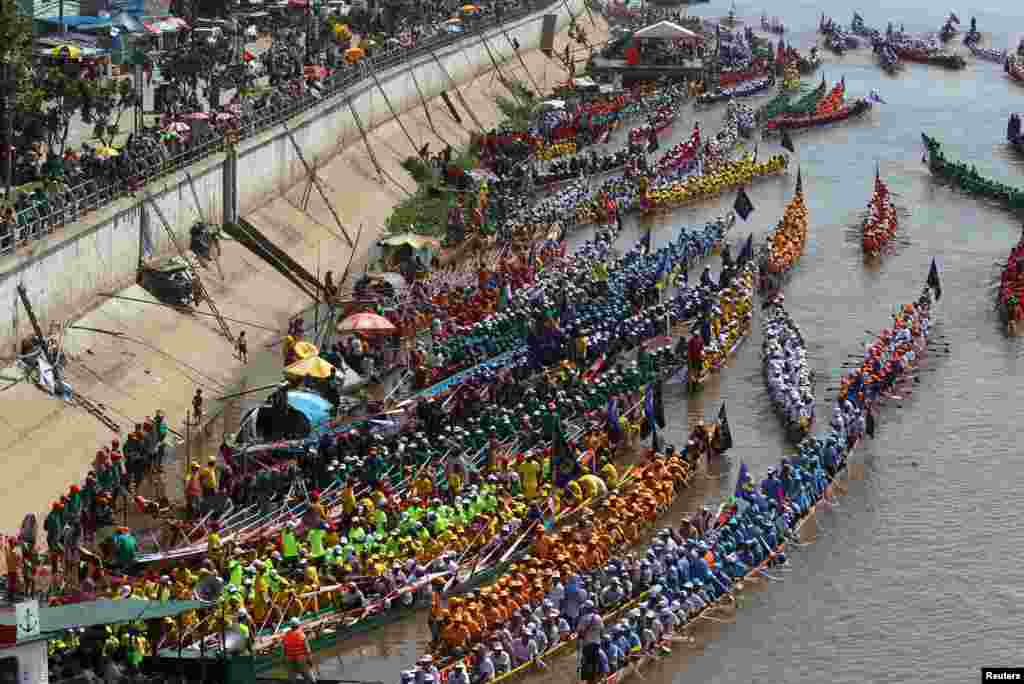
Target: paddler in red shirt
(695,353)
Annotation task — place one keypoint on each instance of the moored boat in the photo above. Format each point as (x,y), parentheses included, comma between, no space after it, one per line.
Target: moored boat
(829,110)
(744,89)
(922,56)
(787,373)
(1010,302)
(772,25)
(786,243)
(879,226)
(968,179)
(745,539)
(1013,133)
(729,324)
(998,56)
(1014,68)
(887,58)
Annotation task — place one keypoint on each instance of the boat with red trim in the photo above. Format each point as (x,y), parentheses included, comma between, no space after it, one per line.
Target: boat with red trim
(879,226)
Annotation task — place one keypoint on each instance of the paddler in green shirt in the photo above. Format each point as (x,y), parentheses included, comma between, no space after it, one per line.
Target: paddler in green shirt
(644,365)
(380,521)
(235,572)
(315,541)
(289,544)
(551,419)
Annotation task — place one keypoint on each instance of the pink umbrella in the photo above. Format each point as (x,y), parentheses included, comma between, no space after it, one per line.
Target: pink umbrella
(198,116)
(366,323)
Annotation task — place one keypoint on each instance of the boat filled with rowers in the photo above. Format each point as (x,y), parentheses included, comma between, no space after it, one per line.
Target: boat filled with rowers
(619,612)
(968,179)
(879,226)
(365,549)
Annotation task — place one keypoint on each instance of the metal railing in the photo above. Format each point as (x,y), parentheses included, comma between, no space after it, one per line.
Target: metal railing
(71,202)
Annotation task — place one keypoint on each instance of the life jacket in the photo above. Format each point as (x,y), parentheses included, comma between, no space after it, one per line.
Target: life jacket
(295,645)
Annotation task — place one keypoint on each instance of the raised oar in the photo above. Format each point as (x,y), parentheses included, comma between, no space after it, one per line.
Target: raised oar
(455,576)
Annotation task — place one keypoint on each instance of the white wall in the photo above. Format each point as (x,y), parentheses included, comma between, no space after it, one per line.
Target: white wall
(64,273)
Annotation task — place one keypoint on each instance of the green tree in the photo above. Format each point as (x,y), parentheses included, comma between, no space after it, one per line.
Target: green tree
(110,100)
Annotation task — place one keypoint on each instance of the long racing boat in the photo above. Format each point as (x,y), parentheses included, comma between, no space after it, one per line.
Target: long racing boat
(967,178)
(1014,68)
(880,224)
(787,373)
(786,242)
(1010,302)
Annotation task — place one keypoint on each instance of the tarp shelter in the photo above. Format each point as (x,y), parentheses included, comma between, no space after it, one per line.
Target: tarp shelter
(667,30)
(314,367)
(55,619)
(128,23)
(165,25)
(305,350)
(414,240)
(408,246)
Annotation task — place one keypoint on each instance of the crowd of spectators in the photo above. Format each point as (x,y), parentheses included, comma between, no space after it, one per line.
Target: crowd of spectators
(64,188)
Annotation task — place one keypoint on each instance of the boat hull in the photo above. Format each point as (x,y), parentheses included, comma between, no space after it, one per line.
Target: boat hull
(795,123)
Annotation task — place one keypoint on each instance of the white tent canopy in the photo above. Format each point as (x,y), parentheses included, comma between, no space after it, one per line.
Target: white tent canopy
(667,30)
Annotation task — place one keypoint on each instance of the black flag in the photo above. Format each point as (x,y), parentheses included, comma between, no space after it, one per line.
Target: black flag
(933,280)
(659,406)
(787,141)
(451,107)
(743,206)
(725,438)
(747,253)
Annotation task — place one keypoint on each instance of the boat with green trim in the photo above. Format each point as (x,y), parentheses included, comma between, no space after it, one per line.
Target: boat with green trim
(967,178)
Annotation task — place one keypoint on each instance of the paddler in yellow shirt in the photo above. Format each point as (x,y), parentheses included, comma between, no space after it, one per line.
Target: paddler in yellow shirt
(529,477)
(610,475)
(348,499)
(592,486)
(424,486)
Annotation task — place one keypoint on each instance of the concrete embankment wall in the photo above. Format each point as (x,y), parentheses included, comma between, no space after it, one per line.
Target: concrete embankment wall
(65,273)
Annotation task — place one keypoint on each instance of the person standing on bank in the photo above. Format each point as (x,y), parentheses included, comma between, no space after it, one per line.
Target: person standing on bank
(243,348)
(197,406)
(589,631)
(297,653)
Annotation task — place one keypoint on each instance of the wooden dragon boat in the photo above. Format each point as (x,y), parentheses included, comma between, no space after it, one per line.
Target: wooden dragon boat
(772,25)
(914,54)
(742,292)
(998,56)
(1013,133)
(879,227)
(968,179)
(829,110)
(786,243)
(784,103)
(887,58)
(823,502)
(1010,301)
(948,31)
(1014,68)
(775,313)
(745,89)
(859,28)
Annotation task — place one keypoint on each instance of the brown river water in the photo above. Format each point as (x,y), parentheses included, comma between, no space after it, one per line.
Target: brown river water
(914,576)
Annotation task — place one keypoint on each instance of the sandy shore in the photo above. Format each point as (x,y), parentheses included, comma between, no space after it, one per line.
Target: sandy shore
(161,357)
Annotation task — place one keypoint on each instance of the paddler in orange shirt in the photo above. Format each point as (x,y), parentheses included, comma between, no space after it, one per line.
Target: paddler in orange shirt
(542,543)
(453,633)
